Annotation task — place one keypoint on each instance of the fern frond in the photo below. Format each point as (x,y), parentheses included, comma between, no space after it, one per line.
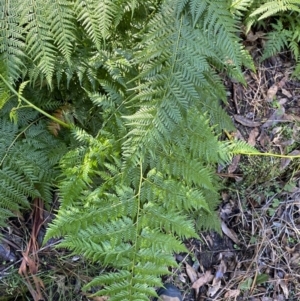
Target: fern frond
(39,40)
(12,44)
(277,40)
(25,168)
(238,7)
(62,26)
(271,8)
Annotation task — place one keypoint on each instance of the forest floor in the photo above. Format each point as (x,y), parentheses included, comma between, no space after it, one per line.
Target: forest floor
(256,255)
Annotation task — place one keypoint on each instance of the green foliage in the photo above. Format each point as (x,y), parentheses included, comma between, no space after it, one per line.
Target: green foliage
(139,83)
(28,157)
(270,8)
(285,26)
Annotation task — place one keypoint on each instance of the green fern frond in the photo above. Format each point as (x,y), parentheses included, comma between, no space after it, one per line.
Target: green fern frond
(27,172)
(239,7)
(39,40)
(271,8)
(97,18)
(12,44)
(62,26)
(277,40)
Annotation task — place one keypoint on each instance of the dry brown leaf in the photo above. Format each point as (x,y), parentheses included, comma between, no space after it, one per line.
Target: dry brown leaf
(291,117)
(252,136)
(280,297)
(282,82)
(231,234)
(222,268)
(286,93)
(276,117)
(182,277)
(245,121)
(264,139)
(214,287)
(232,293)
(295,259)
(234,164)
(253,37)
(95,298)
(286,161)
(284,287)
(272,92)
(191,273)
(238,135)
(205,278)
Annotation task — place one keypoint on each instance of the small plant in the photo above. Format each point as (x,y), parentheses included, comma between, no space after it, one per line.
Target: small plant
(283,19)
(257,170)
(274,206)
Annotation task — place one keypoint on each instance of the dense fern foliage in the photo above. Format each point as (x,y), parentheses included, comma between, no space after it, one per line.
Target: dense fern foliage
(137,84)
(284,25)
(28,160)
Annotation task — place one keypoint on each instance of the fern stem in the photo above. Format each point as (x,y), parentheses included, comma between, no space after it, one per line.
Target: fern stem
(137,223)
(270,155)
(33,106)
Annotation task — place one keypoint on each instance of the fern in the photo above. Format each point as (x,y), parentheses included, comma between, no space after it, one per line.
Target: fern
(26,163)
(271,8)
(285,31)
(140,83)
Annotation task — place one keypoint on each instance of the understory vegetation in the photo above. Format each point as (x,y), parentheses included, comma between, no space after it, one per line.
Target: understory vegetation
(118,109)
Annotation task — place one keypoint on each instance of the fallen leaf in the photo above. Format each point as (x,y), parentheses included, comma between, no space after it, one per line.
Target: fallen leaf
(96,298)
(182,277)
(245,121)
(286,161)
(280,297)
(191,273)
(282,82)
(295,259)
(264,139)
(232,293)
(214,287)
(272,92)
(238,135)
(291,117)
(252,136)
(205,278)
(276,117)
(253,37)
(231,234)
(284,287)
(286,93)
(261,278)
(221,270)
(234,164)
